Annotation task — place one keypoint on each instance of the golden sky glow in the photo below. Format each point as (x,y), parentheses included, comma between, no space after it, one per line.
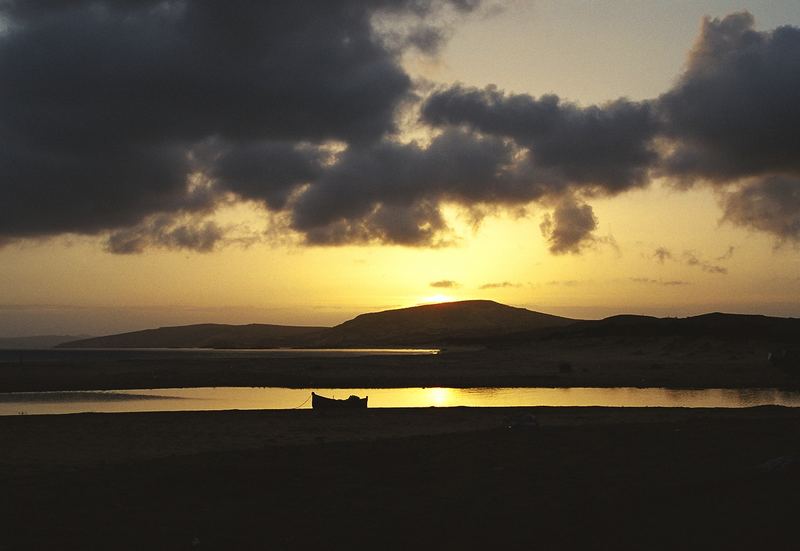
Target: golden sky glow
(72,285)
(504,260)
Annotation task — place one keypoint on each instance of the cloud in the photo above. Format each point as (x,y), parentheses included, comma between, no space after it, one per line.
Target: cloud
(107,107)
(570,227)
(498,285)
(167,233)
(391,192)
(770,205)
(265,171)
(691,259)
(662,254)
(565,282)
(603,149)
(445,284)
(734,112)
(727,255)
(666,283)
(732,121)
(136,120)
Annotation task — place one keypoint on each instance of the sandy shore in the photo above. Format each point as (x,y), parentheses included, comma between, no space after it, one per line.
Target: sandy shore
(430,478)
(453,478)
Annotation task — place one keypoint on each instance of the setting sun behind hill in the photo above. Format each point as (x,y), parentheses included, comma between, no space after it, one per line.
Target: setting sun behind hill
(433,299)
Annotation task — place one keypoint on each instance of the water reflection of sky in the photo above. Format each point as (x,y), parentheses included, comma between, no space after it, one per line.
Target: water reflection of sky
(225,398)
(166,354)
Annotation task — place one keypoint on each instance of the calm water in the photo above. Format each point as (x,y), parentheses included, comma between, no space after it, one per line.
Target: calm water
(161,354)
(223,398)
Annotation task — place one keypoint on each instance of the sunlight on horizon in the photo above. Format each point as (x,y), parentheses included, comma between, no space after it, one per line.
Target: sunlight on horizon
(653,248)
(437,299)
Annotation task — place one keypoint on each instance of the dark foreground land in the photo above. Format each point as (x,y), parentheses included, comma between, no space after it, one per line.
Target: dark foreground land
(586,478)
(601,362)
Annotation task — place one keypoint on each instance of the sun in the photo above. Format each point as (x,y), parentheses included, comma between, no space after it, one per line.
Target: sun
(439,396)
(436,298)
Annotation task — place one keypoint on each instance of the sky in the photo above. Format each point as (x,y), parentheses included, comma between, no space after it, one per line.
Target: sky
(174,162)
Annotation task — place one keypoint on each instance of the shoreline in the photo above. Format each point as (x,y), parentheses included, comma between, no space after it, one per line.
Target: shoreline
(621,478)
(62,439)
(430,477)
(226,399)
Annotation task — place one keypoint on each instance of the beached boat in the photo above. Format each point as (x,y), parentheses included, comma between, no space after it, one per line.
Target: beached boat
(353,402)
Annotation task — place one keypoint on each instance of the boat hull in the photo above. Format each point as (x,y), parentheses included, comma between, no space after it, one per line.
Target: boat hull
(351,403)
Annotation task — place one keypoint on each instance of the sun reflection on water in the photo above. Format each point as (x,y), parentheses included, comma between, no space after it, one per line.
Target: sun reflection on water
(439,396)
(222,398)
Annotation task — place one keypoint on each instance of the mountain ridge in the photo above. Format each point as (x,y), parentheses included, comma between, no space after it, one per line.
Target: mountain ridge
(415,325)
(438,323)
(470,322)
(201,335)
(38,341)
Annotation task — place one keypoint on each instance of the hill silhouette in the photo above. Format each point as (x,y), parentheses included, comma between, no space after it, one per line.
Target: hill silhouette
(469,322)
(418,325)
(717,325)
(207,335)
(37,341)
(437,324)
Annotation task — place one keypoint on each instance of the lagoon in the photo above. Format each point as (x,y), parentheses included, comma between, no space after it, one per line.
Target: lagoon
(254,398)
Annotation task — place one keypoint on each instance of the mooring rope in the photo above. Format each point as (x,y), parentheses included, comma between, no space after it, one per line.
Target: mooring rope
(304,403)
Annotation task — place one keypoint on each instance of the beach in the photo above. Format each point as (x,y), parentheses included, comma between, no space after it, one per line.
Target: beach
(424,478)
(474,478)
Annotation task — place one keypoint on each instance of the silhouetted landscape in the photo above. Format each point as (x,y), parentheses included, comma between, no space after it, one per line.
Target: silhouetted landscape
(206,335)
(398,479)
(472,478)
(474,322)
(431,324)
(38,341)
(483,344)
(399,274)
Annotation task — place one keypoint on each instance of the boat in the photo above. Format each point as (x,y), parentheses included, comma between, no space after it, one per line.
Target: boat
(323,403)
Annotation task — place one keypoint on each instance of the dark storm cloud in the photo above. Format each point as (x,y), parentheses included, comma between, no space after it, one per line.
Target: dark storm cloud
(605,148)
(445,284)
(391,192)
(734,112)
(426,39)
(266,172)
(241,70)
(103,102)
(732,115)
(769,205)
(167,233)
(51,191)
(411,225)
(570,151)
(733,119)
(570,227)
(135,119)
